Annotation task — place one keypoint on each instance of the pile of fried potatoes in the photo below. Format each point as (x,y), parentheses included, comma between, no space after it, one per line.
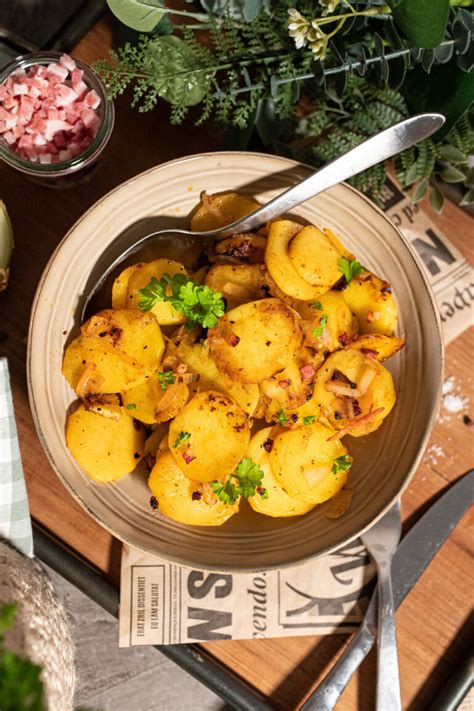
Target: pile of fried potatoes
(292,367)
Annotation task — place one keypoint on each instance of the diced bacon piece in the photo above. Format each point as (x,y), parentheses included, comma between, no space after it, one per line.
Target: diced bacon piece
(54,125)
(57,70)
(4,115)
(67,62)
(32,154)
(76,75)
(92,99)
(4,93)
(80,87)
(65,154)
(59,140)
(90,119)
(17,131)
(46,158)
(65,95)
(19,89)
(53,114)
(9,137)
(308,371)
(51,148)
(10,123)
(39,139)
(25,141)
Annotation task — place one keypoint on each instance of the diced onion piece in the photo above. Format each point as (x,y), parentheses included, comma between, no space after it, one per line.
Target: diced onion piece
(356,422)
(366,380)
(316,475)
(344,390)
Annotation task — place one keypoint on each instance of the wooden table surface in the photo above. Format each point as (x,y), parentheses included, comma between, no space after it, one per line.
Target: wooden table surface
(433,633)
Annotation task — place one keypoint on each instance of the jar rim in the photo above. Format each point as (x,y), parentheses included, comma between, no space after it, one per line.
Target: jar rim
(100,140)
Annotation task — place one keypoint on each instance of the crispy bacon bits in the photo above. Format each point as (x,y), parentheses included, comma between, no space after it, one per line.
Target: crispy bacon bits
(196,496)
(308,371)
(370,353)
(284,383)
(233,340)
(188,457)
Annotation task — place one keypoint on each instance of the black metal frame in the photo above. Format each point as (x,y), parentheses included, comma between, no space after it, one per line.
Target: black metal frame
(189,657)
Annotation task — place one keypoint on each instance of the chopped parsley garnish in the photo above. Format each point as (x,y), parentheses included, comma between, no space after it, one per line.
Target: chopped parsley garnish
(309,419)
(198,302)
(249,479)
(182,437)
(341,464)
(166,378)
(131,406)
(350,269)
(318,331)
(281,417)
(317,305)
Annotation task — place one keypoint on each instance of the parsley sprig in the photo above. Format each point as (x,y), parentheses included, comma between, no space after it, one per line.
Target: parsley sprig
(282,418)
(309,419)
(182,437)
(166,378)
(341,464)
(245,481)
(350,268)
(318,331)
(317,305)
(198,302)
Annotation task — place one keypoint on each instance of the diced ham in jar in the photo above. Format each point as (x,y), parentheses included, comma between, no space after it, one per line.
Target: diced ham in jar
(48,114)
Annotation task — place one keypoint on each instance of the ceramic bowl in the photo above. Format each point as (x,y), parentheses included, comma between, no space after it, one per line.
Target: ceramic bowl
(384,462)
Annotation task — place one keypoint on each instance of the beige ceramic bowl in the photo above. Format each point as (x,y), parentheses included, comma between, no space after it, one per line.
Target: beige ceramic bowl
(383,461)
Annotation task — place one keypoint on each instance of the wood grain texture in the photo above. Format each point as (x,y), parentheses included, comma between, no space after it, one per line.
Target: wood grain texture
(432,629)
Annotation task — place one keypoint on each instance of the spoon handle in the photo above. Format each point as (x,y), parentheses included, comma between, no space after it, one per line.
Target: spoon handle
(374,150)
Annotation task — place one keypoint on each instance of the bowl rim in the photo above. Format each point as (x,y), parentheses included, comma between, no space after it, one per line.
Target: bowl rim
(210,566)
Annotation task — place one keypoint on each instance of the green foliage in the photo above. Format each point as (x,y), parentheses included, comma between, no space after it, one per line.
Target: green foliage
(21,688)
(140,16)
(346,72)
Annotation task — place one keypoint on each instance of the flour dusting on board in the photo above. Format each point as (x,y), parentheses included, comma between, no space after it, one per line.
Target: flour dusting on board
(452,402)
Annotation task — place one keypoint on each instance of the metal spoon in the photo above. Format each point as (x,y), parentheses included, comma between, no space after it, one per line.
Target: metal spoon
(374,150)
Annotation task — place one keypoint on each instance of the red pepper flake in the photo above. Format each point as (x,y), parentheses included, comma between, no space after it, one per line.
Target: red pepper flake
(233,340)
(196,496)
(188,457)
(370,353)
(343,339)
(284,383)
(308,371)
(260,490)
(268,445)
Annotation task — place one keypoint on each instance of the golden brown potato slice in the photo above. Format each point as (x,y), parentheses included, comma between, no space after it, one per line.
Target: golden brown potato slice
(328,321)
(209,437)
(255,340)
(303,461)
(201,362)
(287,390)
(165,314)
(315,258)
(277,503)
(149,403)
(338,244)
(370,300)
(106,449)
(184,500)
(238,283)
(116,350)
(120,286)
(219,210)
(280,266)
(355,393)
(378,346)
(248,248)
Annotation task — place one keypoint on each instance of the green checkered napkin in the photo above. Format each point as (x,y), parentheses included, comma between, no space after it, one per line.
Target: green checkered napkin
(15,522)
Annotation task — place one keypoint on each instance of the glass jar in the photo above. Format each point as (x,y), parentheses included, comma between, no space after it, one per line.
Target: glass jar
(73,170)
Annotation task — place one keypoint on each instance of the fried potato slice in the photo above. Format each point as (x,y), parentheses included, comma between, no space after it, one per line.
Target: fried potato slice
(255,340)
(116,350)
(209,437)
(330,309)
(378,346)
(278,503)
(183,500)
(302,461)
(165,314)
(371,301)
(248,248)
(220,210)
(355,393)
(280,266)
(200,361)
(287,390)
(120,286)
(315,258)
(105,448)
(338,244)
(150,404)
(238,283)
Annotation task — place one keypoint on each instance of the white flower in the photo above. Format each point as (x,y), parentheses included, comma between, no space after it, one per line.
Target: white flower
(298,27)
(329,5)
